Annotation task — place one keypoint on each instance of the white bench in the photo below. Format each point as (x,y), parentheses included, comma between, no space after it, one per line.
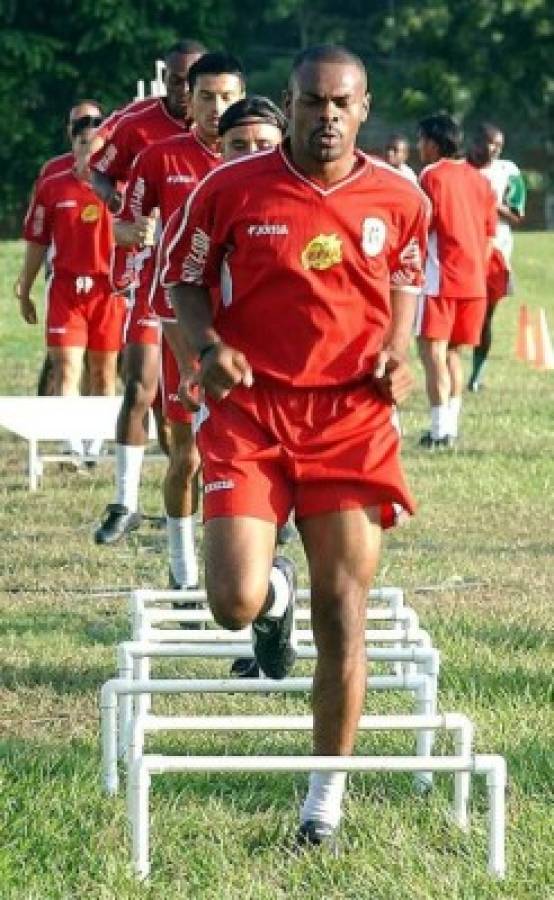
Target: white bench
(38,419)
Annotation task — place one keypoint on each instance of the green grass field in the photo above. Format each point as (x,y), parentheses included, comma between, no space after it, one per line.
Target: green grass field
(477,563)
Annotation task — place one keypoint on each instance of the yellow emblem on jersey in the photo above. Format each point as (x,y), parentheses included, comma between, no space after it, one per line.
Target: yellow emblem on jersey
(322,252)
(90,213)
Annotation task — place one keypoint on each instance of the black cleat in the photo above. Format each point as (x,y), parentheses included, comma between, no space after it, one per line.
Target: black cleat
(272,638)
(118,521)
(430,443)
(244,667)
(317,834)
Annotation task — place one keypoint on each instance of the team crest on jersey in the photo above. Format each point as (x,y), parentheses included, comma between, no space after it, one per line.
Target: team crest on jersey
(322,252)
(374,233)
(91,213)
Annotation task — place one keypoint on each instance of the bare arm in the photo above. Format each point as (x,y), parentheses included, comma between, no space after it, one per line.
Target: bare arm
(221,367)
(34,257)
(392,376)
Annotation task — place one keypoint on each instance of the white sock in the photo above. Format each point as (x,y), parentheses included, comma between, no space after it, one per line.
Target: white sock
(440,421)
(323,803)
(94,447)
(128,465)
(280,585)
(454,407)
(75,446)
(182,554)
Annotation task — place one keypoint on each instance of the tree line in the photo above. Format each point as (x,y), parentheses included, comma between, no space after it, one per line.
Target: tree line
(477,59)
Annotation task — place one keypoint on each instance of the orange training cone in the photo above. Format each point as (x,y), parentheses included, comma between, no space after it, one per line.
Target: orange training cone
(544,357)
(525,346)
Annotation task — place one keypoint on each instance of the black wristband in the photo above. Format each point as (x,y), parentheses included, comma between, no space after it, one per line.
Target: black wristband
(207,348)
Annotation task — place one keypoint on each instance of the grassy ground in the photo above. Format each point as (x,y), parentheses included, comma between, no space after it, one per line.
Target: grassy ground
(477,564)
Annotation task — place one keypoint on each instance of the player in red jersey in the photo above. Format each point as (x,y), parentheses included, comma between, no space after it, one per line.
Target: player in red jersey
(166,117)
(453,306)
(163,175)
(294,276)
(82,312)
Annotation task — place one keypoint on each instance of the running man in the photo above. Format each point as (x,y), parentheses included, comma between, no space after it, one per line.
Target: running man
(294,276)
(162,178)
(452,309)
(83,314)
(166,117)
(508,185)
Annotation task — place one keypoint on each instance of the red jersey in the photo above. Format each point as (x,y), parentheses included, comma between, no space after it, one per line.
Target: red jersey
(463,218)
(132,134)
(109,124)
(162,177)
(165,174)
(305,271)
(66,215)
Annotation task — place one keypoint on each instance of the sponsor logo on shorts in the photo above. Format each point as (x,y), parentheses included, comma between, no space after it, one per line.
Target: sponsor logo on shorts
(224,485)
(267,229)
(374,233)
(91,213)
(322,252)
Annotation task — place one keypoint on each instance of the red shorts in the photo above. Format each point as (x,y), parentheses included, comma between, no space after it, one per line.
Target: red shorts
(498,278)
(83,312)
(143,325)
(452,320)
(161,305)
(173,409)
(268,450)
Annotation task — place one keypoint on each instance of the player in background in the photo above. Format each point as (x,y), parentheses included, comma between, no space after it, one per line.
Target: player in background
(61,163)
(294,276)
(452,308)
(509,187)
(397,152)
(162,178)
(167,117)
(82,312)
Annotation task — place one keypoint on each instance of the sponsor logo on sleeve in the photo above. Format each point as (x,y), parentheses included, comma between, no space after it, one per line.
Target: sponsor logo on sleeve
(195,260)
(322,252)
(409,271)
(38,221)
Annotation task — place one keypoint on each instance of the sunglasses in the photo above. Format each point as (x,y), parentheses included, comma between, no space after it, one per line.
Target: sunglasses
(84,122)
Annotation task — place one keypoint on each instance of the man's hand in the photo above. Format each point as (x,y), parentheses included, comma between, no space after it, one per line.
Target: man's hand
(26,306)
(145,229)
(392,377)
(220,370)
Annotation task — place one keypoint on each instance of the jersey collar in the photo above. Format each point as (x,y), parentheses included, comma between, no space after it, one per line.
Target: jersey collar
(362,166)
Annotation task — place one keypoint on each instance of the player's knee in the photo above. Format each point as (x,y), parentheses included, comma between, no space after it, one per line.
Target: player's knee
(234,607)
(138,397)
(184,462)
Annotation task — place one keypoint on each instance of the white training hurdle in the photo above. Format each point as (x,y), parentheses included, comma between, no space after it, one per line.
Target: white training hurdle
(126,718)
(112,690)
(40,419)
(143,767)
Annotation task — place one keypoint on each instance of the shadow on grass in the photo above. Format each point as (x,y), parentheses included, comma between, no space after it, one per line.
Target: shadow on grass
(107,630)
(61,679)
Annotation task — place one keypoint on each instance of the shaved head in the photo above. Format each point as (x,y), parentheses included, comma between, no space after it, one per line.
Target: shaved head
(327,53)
